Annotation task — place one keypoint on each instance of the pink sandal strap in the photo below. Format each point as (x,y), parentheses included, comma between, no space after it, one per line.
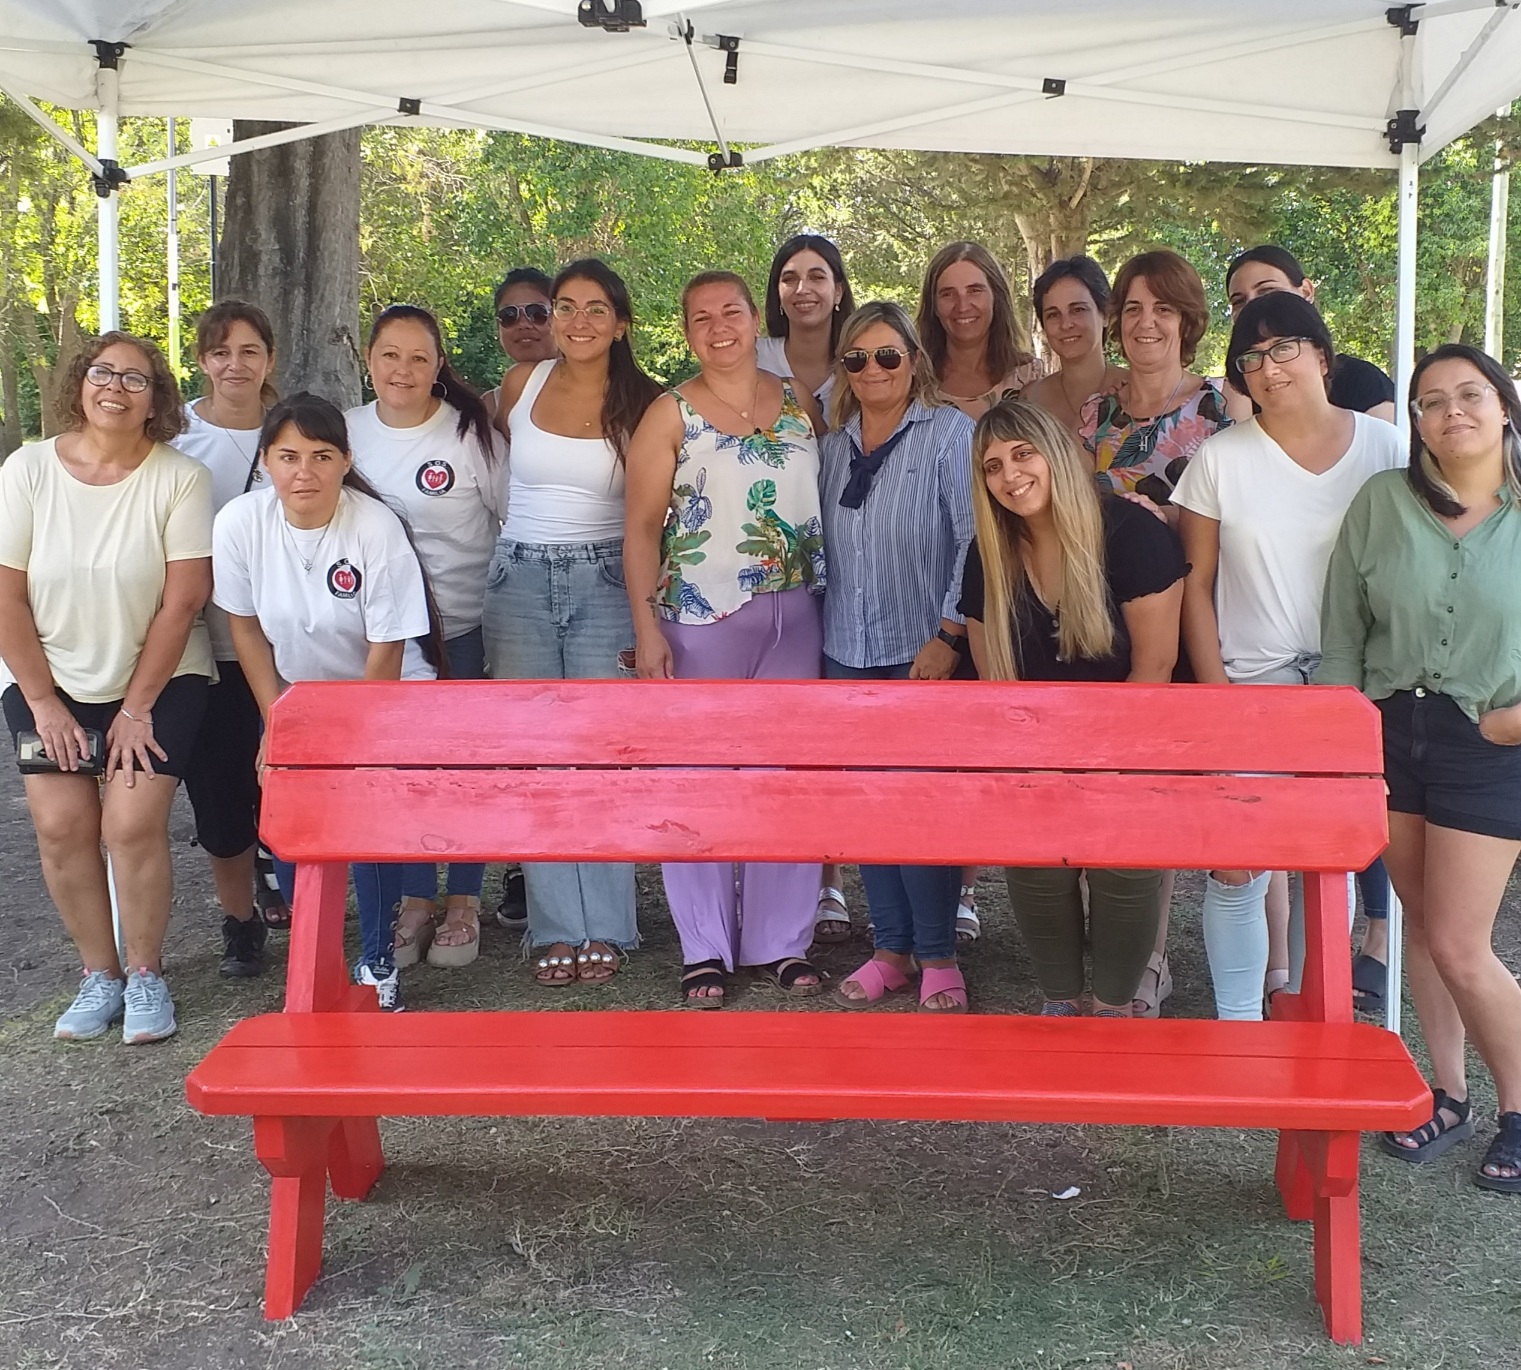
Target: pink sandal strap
(947,980)
(876,978)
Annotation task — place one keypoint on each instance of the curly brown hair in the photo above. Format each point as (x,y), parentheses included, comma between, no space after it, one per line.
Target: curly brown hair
(166,418)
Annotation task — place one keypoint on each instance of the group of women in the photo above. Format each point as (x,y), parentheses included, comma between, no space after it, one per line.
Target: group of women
(857,494)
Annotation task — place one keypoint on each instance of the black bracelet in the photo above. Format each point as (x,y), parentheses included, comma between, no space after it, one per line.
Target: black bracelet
(954,641)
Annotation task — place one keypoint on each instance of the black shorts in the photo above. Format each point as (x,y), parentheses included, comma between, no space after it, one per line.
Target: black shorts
(221,781)
(1437,763)
(176,718)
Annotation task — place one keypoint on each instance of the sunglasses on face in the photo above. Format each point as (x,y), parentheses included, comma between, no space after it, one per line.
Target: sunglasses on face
(888,358)
(509,314)
(133,382)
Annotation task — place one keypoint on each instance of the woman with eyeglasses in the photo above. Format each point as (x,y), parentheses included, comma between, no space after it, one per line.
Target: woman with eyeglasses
(896,505)
(724,559)
(425,443)
(105,564)
(1422,615)
(521,306)
(1261,504)
(555,602)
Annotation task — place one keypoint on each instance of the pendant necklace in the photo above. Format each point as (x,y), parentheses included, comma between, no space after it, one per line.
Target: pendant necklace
(307,562)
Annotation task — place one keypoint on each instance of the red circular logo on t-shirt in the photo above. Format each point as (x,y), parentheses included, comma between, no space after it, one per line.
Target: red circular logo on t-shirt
(435,478)
(343,579)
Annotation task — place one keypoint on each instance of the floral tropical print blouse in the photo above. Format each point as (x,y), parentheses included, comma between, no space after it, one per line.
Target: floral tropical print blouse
(1126,450)
(744,517)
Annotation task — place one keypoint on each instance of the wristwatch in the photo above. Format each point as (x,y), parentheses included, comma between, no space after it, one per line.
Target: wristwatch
(955,641)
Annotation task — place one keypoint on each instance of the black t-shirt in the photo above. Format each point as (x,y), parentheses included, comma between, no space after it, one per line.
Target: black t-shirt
(1142,556)
(1359,385)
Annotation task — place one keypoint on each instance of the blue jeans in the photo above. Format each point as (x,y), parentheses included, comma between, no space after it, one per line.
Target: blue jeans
(377,892)
(560,612)
(419,879)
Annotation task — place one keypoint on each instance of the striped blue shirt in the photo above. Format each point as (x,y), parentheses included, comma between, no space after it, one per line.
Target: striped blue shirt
(895,563)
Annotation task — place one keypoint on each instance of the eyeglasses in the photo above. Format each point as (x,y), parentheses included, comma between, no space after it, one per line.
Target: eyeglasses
(888,358)
(133,382)
(509,314)
(1284,350)
(596,311)
(1465,397)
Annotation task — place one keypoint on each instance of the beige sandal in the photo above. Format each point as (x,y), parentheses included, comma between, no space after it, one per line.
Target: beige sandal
(414,933)
(1155,988)
(462,917)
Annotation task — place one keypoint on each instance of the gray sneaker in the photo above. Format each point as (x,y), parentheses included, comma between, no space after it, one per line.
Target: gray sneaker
(97,1005)
(150,1010)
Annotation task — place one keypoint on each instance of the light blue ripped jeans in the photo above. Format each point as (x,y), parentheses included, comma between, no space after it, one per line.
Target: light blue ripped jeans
(1235,916)
(559,612)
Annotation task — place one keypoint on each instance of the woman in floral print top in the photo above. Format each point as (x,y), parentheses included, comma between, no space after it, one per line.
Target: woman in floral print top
(724,564)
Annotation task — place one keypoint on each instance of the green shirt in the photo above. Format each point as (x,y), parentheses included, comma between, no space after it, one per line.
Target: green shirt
(1409,604)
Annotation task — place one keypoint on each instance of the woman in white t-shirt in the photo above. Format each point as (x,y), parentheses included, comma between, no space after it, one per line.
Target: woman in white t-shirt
(320,581)
(808,299)
(1261,504)
(105,547)
(235,349)
(555,602)
(426,444)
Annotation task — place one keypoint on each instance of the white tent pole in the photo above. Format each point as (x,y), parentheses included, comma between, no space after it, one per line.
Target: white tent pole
(51,128)
(108,219)
(173,292)
(284,135)
(1499,215)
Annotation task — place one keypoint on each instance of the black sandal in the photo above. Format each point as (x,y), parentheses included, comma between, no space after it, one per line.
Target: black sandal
(786,973)
(1504,1151)
(703,975)
(273,910)
(1369,976)
(1436,1136)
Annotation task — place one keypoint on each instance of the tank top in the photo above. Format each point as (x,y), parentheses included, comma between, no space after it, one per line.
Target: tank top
(560,490)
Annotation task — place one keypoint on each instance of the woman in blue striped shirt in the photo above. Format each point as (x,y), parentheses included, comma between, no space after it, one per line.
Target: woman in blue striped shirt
(895,493)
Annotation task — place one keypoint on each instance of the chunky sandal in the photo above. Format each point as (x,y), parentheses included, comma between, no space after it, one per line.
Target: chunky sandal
(1155,988)
(1436,1136)
(828,926)
(1504,1153)
(877,978)
(1369,978)
(708,975)
(787,974)
(603,962)
(547,970)
(464,918)
(946,980)
(413,934)
(968,925)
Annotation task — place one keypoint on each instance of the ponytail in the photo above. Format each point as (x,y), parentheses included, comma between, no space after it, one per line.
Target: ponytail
(457,392)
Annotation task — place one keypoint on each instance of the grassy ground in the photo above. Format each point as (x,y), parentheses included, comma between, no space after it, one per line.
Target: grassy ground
(132,1230)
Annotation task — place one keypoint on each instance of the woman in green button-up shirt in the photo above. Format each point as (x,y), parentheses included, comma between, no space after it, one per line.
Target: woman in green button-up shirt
(1422,614)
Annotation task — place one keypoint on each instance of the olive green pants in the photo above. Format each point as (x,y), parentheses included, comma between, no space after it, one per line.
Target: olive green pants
(1124,909)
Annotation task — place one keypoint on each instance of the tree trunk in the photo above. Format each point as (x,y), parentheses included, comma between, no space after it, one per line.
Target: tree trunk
(290,244)
(10,398)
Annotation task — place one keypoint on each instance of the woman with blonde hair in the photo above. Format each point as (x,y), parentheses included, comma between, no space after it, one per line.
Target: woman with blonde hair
(897,512)
(978,347)
(1065,583)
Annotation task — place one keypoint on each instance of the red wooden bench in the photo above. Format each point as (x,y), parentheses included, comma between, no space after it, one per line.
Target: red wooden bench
(1171,776)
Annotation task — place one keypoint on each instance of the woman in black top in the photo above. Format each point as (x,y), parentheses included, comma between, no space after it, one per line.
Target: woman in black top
(1064,583)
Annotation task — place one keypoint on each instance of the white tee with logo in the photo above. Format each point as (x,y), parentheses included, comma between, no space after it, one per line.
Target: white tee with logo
(1278,524)
(452,499)
(232,457)
(322,595)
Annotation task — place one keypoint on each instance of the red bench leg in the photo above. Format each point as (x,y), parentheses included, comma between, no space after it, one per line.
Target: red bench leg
(1332,1158)
(294,1151)
(355,1161)
(1296,1184)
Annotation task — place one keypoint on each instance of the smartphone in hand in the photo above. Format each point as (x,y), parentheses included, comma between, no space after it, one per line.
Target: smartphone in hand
(31,759)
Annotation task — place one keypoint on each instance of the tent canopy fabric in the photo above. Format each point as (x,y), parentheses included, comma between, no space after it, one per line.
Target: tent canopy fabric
(1301,81)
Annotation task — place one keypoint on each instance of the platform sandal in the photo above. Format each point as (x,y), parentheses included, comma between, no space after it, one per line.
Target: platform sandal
(1435,1136)
(1155,988)
(1504,1151)
(705,975)
(968,924)
(466,918)
(414,934)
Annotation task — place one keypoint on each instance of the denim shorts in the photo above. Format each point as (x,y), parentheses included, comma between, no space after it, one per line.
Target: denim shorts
(1437,763)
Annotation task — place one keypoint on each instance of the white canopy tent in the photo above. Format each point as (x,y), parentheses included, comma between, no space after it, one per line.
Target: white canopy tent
(1321,82)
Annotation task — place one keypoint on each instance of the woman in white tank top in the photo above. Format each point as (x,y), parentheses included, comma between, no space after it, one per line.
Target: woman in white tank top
(555,602)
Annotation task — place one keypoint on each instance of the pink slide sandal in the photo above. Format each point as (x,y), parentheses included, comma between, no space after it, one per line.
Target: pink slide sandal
(877,978)
(947,980)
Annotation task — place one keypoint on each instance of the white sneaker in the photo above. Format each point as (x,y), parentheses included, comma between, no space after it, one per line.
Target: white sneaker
(387,987)
(150,1010)
(97,1005)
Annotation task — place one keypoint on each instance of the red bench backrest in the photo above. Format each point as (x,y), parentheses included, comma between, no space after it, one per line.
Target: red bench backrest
(920,772)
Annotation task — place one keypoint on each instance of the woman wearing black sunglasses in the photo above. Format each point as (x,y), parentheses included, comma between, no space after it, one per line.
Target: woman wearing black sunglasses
(895,495)
(521,306)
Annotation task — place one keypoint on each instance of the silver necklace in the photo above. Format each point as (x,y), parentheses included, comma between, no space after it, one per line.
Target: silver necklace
(307,562)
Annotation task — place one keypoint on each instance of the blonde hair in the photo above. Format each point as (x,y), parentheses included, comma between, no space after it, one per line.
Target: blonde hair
(1084,621)
(843,404)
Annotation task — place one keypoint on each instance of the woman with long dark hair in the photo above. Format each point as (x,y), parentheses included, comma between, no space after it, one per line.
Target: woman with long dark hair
(426,444)
(1421,614)
(808,299)
(321,582)
(555,603)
